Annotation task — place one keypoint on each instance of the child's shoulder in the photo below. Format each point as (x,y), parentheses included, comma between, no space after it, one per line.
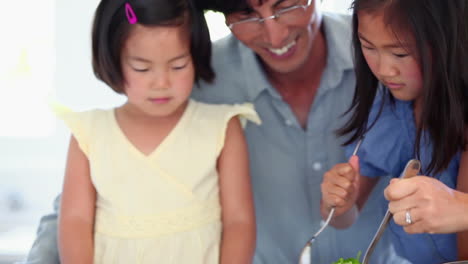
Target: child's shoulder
(226,111)
(63,110)
(219,107)
(86,117)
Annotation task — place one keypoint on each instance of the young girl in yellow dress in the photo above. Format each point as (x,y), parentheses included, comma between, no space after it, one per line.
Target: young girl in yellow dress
(162,178)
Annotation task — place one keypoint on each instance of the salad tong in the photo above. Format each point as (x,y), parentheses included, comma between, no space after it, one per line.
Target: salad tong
(411,169)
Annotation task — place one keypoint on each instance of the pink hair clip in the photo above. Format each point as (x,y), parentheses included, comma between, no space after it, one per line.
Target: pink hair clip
(132,18)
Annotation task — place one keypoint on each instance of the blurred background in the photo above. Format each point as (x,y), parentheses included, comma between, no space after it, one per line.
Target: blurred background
(45,55)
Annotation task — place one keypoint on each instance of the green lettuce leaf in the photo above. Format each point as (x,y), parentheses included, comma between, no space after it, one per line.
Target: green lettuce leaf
(349,260)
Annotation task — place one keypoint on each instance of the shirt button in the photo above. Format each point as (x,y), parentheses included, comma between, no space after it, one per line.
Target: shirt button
(317,166)
(288,122)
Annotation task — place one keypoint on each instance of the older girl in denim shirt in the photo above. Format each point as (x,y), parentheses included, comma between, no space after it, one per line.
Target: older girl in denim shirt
(411,101)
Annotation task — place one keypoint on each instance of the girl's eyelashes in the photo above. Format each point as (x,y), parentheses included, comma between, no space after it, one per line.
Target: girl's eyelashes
(139,67)
(367,47)
(176,64)
(401,52)
(140,70)
(180,67)
(181,62)
(174,68)
(396,54)
(400,55)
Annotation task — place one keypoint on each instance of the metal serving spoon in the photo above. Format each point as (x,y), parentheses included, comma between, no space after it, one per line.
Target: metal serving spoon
(411,169)
(304,258)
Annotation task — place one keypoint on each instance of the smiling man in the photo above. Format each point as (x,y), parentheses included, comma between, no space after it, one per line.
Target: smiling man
(294,63)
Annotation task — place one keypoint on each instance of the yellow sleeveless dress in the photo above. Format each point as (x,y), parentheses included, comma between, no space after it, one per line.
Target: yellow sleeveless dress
(163,207)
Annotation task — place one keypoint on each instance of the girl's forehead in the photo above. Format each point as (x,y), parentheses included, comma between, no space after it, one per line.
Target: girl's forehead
(375,25)
(157,39)
(372,25)
(141,33)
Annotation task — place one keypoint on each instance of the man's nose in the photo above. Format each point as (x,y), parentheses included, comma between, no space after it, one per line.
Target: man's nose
(275,32)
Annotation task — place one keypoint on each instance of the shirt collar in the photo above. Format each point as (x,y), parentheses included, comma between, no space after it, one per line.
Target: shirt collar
(339,47)
(256,76)
(338,30)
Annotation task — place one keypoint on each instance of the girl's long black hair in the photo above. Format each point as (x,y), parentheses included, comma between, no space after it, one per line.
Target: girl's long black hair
(440,31)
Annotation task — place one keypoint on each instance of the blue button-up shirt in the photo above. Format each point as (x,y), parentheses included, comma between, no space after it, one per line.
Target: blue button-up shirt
(396,124)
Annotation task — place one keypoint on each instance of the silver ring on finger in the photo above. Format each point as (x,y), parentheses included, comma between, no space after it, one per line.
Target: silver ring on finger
(408,219)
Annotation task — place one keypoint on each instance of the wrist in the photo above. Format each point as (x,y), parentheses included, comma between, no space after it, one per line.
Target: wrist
(345,217)
(462,201)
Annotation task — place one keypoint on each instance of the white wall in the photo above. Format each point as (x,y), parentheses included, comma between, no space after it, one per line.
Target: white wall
(48,57)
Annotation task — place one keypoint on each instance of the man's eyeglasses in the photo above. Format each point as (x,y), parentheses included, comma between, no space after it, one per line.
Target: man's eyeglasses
(289,15)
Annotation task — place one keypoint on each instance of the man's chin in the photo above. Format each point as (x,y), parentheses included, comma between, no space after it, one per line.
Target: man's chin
(284,67)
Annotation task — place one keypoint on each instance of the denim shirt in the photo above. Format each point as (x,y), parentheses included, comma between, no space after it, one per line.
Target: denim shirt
(287,163)
(385,150)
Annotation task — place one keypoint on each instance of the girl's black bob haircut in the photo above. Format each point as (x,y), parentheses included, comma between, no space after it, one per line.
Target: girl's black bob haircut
(111,29)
